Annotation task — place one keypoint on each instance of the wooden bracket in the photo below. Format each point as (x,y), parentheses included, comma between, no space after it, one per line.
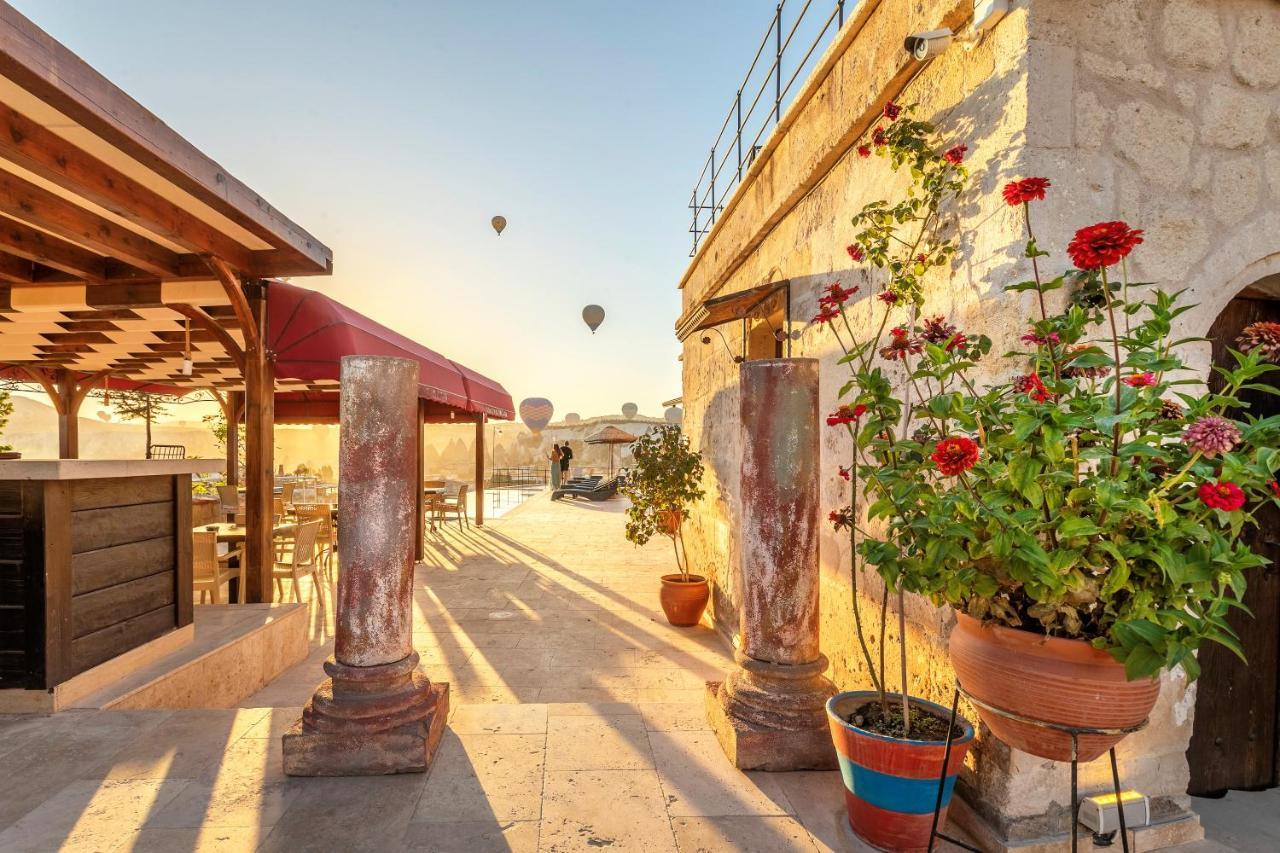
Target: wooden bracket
(202,319)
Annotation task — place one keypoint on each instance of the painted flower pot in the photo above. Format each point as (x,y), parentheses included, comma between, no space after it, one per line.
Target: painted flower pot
(1051,679)
(891,784)
(684,600)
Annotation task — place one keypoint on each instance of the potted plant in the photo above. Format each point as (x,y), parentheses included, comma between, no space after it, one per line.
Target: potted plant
(665,478)
(879,733)
(1082,516)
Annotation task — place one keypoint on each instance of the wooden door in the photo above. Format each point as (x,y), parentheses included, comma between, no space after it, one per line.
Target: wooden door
(1234,743)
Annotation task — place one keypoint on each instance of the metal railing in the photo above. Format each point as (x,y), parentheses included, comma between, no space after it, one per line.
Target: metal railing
(733,152)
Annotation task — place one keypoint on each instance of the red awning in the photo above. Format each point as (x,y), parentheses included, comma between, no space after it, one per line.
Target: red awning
(309,333)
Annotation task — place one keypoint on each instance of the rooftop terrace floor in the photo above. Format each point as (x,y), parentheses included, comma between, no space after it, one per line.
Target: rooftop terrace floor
(577,724)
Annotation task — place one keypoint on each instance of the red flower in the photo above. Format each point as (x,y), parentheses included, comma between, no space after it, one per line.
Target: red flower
(1032,385)
(955,154)
(888,297)
(841,519)
(1275,488)
(826,314)
(1140,380)
(901,344)
(1103,244)
(864,151)
(937,330)
(958,342)
(855,251)
(892,111)
(846,415)
(1034,337)
(955,454)
(1221,495)
(836,295)
(878,137)
(846,472)
(1025,190)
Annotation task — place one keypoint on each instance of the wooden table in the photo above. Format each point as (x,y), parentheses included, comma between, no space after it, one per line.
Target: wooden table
(233,533)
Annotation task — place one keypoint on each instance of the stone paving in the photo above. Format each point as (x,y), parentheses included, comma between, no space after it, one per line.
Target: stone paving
(577,725)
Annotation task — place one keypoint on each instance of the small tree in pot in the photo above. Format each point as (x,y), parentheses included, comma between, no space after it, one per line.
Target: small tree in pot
(666,477)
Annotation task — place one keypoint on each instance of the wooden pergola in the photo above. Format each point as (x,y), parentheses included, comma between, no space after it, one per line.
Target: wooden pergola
(108,216)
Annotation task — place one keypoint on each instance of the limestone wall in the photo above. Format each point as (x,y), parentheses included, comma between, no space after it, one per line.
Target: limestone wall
(1162,113)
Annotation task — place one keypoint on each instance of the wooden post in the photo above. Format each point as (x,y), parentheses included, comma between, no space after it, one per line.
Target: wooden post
(419,524)
(480,470)
(68,416)
(259,433)
(232,410)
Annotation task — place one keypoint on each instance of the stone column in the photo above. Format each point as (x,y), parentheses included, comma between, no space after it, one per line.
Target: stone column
(769,713)
(377,712)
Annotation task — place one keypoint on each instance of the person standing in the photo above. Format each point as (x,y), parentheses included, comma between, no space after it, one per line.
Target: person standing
(556,465)
(566,454)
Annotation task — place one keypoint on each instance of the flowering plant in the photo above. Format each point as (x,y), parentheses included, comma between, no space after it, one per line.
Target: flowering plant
(1094,492)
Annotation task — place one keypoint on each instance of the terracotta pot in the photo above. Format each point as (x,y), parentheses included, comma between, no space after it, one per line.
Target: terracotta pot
(891,784)
(1051,679)
(683,601)
(669,521)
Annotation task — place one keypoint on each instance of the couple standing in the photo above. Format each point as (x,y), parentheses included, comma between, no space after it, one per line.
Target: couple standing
(560,457)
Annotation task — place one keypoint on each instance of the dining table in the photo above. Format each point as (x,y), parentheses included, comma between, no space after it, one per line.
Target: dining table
(233,534)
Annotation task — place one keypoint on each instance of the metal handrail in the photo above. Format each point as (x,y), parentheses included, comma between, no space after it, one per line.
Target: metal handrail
(707,199)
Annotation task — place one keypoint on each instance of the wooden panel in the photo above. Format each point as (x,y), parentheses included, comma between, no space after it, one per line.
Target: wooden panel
(94,570)
(120,491)
(182,576)
(101,528)
(50,535)
(92,649)
(97,610)
(1236,735)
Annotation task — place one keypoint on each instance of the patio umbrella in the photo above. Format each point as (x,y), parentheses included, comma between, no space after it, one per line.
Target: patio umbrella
(611,435)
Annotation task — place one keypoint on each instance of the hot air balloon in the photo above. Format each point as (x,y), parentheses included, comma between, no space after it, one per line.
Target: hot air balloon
(498,223)
(629,410)
(572,418)
(536,413)
(593,316)
(673,415)
(104,416)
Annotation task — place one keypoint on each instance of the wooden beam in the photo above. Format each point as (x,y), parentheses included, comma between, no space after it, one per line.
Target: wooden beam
(35,245)
(259,429)
(37,206)
(235,408)
(253,335)
(479,517)
(45,153)
(16,270)
(197,316)
(68,416)
(64,81)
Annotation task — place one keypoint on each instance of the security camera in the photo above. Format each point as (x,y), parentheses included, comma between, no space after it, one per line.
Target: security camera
(928,45)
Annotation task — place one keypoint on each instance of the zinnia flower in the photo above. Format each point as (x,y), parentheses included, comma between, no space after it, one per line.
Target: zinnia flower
(1034,337)
(955,154)
(888,297)
(957,342)
(826,314)
(1102,245)
(841,519)
(1140,380)
(1261,336)
(937,330)
(846,415)
(864,151)
(878,137)
(855,251)
(901,344)
(955,454)
(1222,495)
(1025,190)
(1032,385)
(837,295)
(892,111)
(1170,411)
(1211,435)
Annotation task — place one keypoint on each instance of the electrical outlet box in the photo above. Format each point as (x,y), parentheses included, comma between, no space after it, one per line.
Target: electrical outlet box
(987,13)
(1101,813)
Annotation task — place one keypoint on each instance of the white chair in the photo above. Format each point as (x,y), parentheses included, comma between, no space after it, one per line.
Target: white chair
(302,562)
(209,570)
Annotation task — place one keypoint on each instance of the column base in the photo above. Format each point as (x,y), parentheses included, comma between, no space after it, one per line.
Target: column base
(753,746)
(368,721)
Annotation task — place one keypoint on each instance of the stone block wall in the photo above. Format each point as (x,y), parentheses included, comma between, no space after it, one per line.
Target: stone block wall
(1166,114)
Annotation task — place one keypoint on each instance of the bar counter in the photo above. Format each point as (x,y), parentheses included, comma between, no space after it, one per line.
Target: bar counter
(95,560)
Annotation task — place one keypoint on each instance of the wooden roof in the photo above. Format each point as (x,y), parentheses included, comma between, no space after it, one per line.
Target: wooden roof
(95,188)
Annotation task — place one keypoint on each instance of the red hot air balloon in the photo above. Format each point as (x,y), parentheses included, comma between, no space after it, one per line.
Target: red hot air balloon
(536,413)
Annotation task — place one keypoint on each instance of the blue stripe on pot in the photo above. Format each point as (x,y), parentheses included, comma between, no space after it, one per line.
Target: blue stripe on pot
(894,793)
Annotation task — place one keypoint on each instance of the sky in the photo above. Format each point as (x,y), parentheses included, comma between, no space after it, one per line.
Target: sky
(393,132)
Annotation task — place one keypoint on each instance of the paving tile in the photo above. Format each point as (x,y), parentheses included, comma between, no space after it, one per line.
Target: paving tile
(369,813)
(484,777)
(499,719)
(246,788)
(89,815)
(818,799)
(618,810)
(183,745)
(473,837)
(741,835)
(674,717)
(593,709)
(210,839)
(698,779)
(597,743)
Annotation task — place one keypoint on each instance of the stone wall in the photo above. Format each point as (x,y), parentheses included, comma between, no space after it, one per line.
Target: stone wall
(1161,113)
